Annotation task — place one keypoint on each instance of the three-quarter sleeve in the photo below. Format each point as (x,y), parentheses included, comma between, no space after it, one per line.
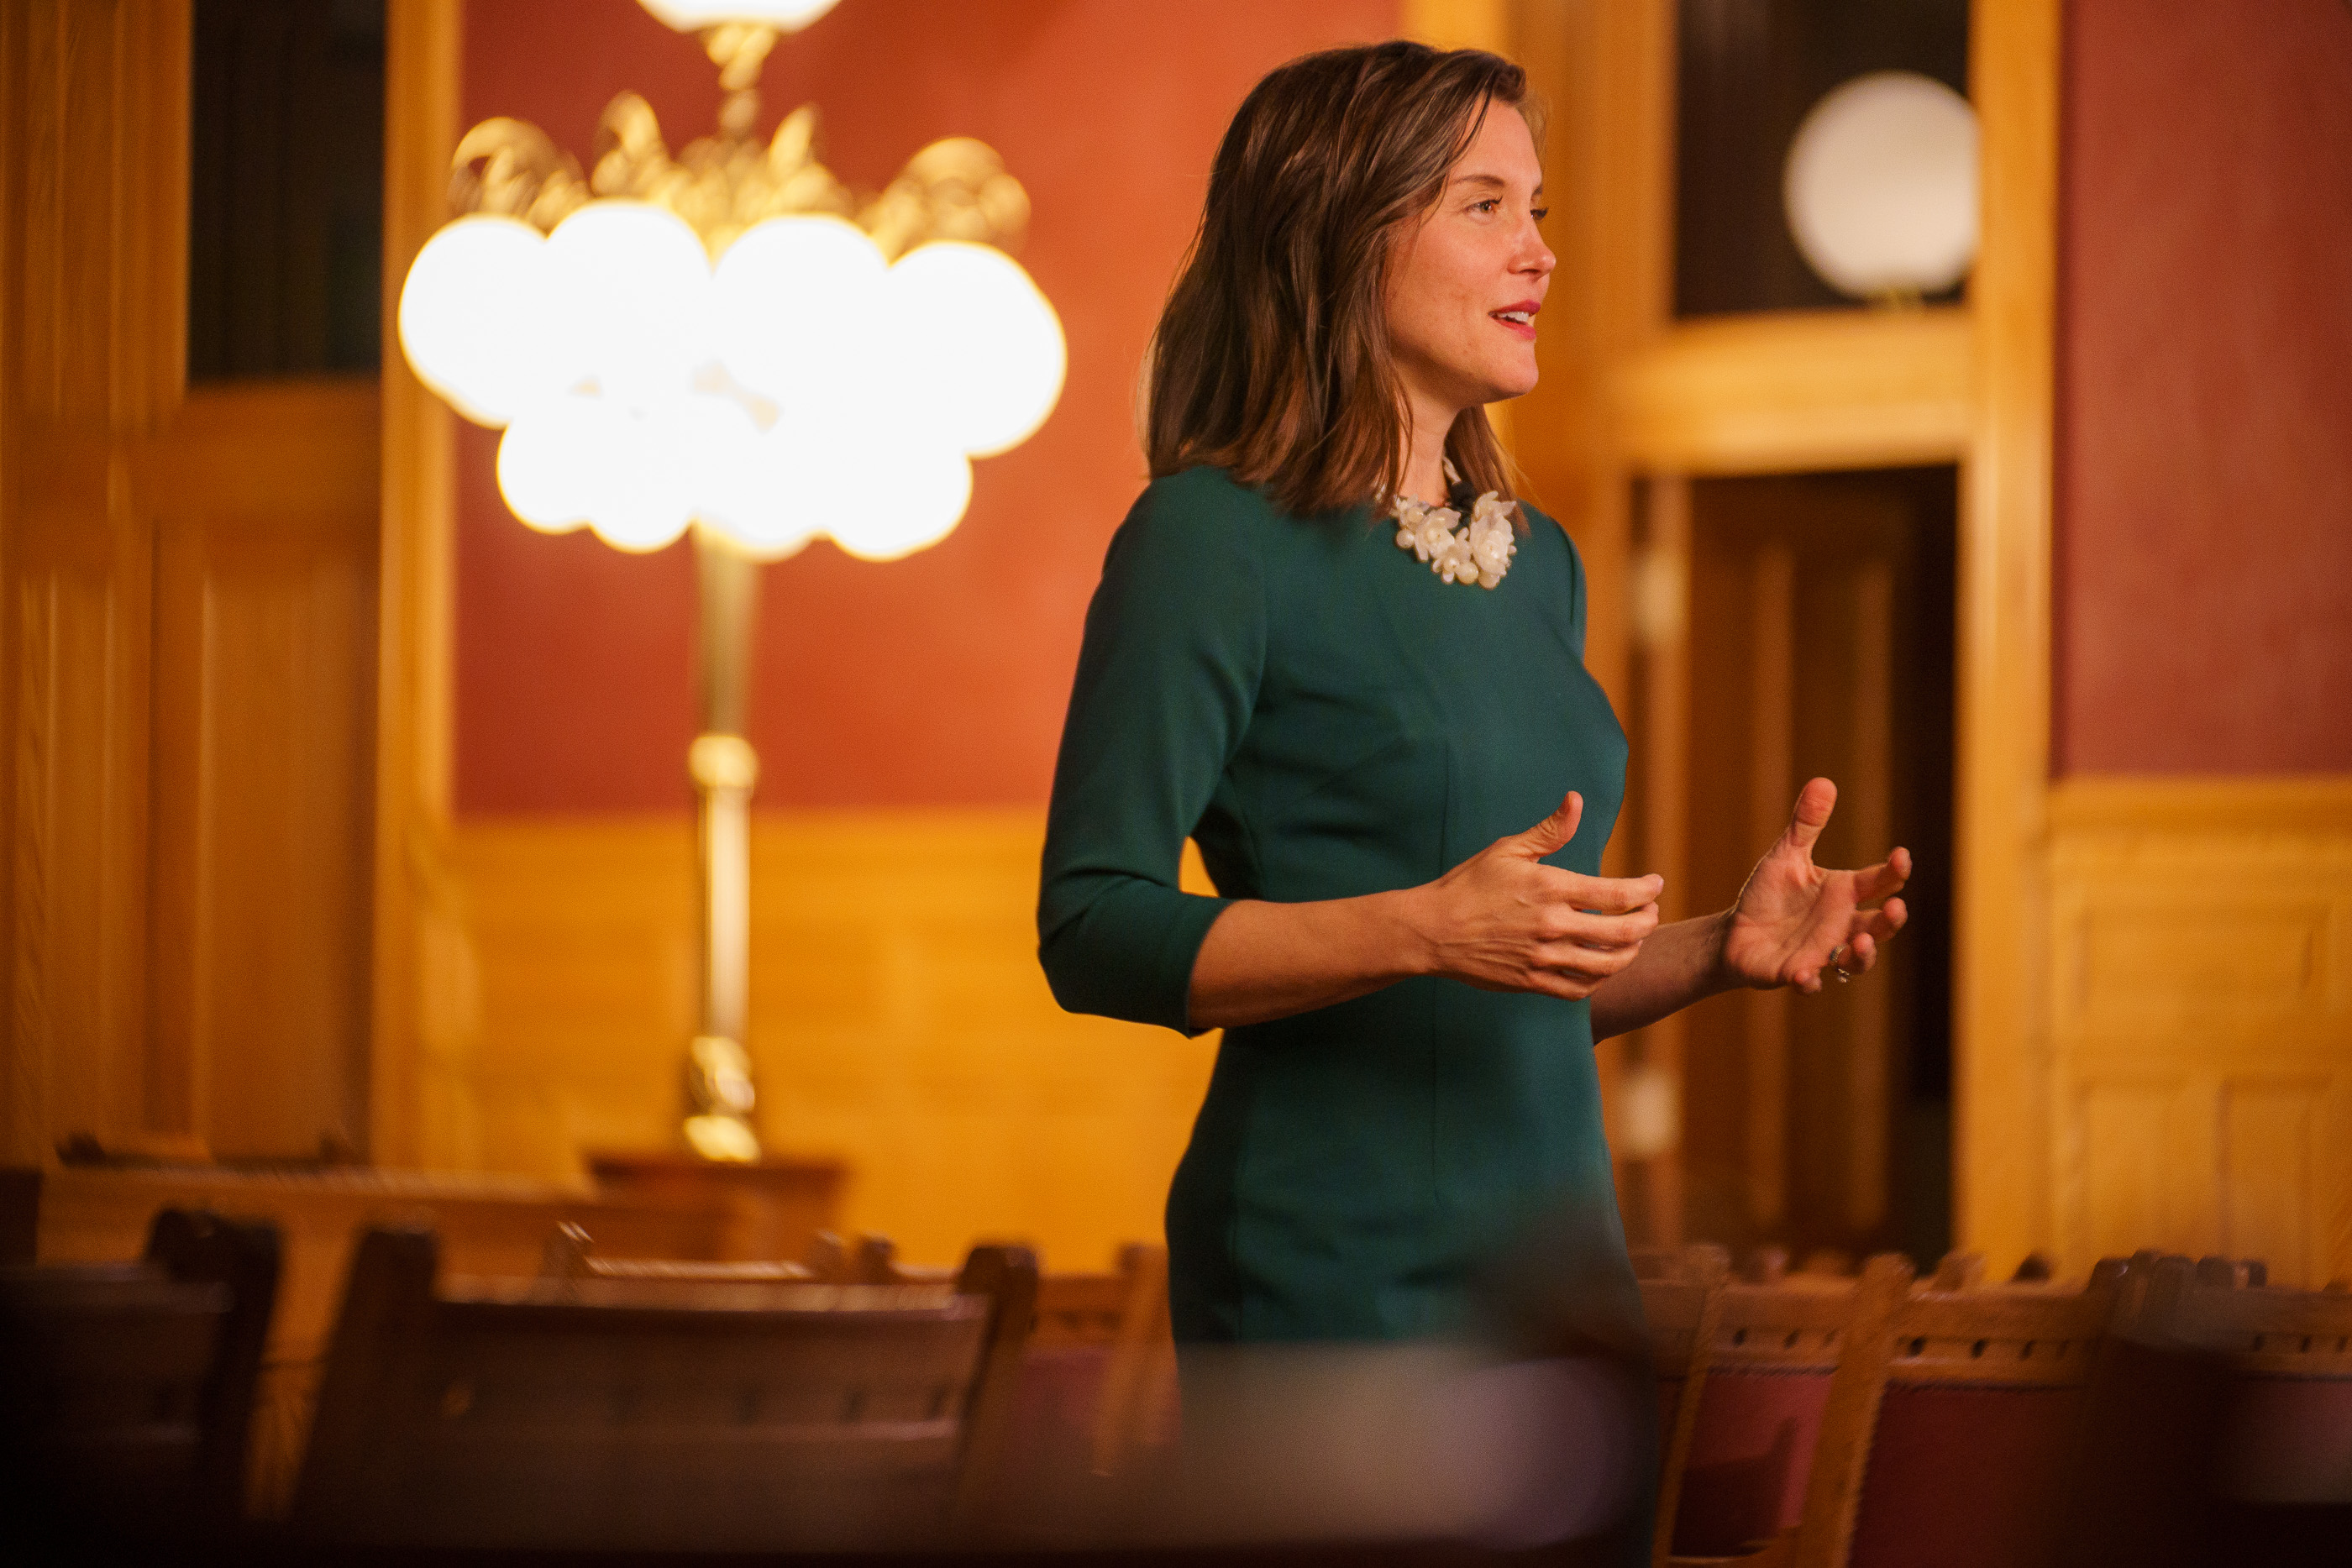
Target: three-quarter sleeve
(1175,644)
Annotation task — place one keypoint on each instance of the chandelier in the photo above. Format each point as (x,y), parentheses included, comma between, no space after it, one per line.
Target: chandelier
(730,340)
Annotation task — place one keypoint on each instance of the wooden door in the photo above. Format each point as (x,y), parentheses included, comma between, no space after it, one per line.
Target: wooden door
(1816,640)
(187,626)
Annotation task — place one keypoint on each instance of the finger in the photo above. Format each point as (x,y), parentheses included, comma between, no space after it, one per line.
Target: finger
(1814,803)
(1574,959)
(1880,924)
(1602,931)
(1887,877)
(1860,954)
(1604,894)
(1551,835)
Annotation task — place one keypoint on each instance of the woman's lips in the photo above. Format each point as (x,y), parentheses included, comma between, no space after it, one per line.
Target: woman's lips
(1519,319)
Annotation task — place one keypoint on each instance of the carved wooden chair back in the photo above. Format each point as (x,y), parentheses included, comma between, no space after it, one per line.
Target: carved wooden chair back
(642,1414)
(1682,1304)
(1098,1373)
(1772,1363)
(2287,1433)
(126,1390)
(1974,1448)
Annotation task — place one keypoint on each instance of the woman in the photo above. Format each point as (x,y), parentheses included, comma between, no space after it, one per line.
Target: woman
(1355,684)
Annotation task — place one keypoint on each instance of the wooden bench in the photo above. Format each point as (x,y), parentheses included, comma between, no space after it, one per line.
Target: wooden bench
(643,1414)
(127,1389)
(1098,1377)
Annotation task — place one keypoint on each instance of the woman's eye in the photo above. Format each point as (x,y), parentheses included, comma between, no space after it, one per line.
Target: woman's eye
(1539,214)
(1490,205)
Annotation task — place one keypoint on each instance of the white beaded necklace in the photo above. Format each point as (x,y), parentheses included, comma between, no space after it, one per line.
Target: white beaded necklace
(1478,554)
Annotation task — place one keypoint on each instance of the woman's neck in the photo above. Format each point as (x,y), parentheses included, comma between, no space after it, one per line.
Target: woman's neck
(1424,453)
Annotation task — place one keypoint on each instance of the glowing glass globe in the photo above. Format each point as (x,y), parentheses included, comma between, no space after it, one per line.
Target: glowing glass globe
(475,320)
(804,386)
(1881,186)
(991,348)
(693,15)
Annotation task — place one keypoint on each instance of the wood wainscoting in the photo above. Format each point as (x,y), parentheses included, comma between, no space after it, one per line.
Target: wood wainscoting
(899,1022)
(2200,1020)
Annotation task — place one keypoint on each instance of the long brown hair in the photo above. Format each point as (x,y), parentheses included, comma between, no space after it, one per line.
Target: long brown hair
(1272,359)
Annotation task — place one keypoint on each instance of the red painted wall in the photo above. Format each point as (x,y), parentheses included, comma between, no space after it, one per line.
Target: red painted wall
(2204,480)
(937,680)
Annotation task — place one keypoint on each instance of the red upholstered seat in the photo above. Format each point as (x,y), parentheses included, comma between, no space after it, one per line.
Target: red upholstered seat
(1050,1432)
(2288,1439)
(1965,1475)
(1749,1457)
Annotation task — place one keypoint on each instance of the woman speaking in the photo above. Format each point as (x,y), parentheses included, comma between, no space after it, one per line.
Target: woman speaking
(1331,647)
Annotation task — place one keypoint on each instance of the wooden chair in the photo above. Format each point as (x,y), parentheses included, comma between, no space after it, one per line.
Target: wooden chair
(1098,1375)
(1786,1358)
(1974,1445)
(2283,1476)
(1682,1303)
(126,1390)
(656,1414)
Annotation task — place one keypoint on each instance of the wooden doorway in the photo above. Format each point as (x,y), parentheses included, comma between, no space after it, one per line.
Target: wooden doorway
(1809,631)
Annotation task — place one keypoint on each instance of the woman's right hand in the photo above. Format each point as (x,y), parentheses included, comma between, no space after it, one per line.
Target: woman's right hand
(1504,921)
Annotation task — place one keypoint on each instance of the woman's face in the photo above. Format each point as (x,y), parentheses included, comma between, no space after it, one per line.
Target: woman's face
(1466,280)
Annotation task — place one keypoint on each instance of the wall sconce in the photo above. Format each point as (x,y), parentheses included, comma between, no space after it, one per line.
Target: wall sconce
(729,341)
(1881,187)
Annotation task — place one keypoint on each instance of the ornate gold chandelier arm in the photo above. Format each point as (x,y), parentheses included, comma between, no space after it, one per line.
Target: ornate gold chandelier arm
(740,50)
(510,169)
(956,188)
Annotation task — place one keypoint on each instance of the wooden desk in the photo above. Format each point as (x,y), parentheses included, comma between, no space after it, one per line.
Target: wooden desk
(769,1209)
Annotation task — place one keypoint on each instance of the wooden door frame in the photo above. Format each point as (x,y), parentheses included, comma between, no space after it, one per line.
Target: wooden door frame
(1633,394)
(418,970)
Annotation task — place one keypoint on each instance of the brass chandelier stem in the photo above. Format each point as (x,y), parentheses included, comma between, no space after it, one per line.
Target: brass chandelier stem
(720,1095)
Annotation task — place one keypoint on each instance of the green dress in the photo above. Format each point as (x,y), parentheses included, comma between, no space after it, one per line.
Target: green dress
(1327,718)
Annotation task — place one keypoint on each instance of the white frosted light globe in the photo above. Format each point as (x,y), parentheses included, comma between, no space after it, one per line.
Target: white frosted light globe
(896,497)
(989,356)
(805,317)
(643,488)
(1880,186)
(550,458)
(475,318)
(693,15)
(727,460)
(631,284)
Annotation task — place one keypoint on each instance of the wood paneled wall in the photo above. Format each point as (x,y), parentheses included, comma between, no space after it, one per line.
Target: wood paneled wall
(898,1020)
(187,592)
(2200,1020)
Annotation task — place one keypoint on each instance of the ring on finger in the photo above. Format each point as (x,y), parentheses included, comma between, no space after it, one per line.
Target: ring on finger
(1836,968)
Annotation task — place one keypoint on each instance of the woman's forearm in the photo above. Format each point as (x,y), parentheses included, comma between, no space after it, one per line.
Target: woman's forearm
(1679,965)
(1263,961)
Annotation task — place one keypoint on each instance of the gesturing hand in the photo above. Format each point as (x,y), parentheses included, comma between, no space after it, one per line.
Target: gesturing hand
(1503,921)
(1793,916)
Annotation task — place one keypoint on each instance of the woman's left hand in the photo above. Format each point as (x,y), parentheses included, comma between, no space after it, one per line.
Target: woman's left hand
(1793,919)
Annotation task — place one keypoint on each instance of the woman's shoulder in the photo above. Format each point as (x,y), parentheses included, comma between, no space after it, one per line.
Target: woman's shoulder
(1548,536)
(1202,493)
(1199,509)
